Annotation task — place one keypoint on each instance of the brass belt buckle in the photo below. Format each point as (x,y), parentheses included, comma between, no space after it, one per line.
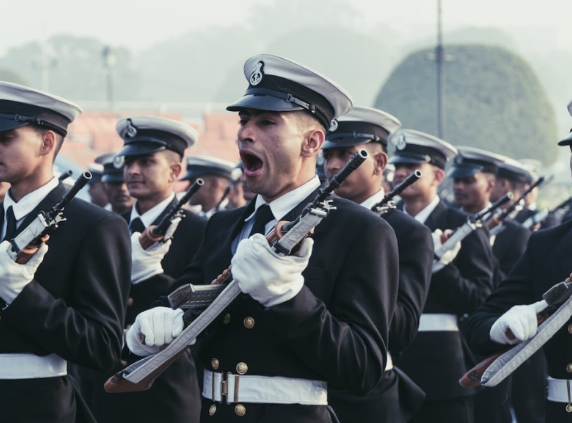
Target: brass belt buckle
(224,387)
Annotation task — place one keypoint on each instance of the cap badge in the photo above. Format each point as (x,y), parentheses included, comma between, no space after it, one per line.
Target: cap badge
(333,125)
(258,74)
(401,143)
(118,162)
(459,159)
(131,130)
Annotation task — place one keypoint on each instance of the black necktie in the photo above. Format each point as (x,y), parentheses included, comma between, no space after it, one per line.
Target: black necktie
(10,224)
(136,225)
(263,216)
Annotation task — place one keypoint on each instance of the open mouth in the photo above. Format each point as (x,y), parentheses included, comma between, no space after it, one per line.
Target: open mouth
(252,163)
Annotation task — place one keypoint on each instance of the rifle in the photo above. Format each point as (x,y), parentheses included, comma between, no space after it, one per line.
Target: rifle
(156,233)
(64,175)
(472,223)
(27,242)
(387,204)
(514,206)
(542,215)
(235,175)
(284,238)
(553,299)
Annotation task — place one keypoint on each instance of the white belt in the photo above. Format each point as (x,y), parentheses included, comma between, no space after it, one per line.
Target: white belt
(389,364)
(559,390)
(31,366)
(436,322)
(263,389)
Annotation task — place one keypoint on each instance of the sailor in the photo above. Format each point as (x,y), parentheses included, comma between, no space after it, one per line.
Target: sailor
(474,173)
(152,163)
(218,178)
(320,316)
(461,281)
(114,185)
(396,398)
(515,303)
(67,303)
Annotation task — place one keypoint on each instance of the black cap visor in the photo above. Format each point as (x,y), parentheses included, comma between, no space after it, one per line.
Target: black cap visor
(263,102)
(409,159)
(9,124)
(141,149)
(344,142)
(113,177)
(460,171)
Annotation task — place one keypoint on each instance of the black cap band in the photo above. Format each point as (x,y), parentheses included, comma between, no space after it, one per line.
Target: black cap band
(30,114)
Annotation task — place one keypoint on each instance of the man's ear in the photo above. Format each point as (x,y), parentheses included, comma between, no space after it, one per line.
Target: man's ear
(176,169)
(439,174)
(49,142)
(313,141)
(380,160)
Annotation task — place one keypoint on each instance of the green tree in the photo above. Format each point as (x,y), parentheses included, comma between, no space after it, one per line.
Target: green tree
(493,100)
(11,76)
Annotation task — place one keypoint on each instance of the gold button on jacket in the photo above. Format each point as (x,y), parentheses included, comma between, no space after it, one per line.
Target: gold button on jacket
(248,322)
(240,410)
(241,368)
(215,364)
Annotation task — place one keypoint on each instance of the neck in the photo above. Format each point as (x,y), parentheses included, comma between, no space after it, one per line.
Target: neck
(20,189)
(475,208)
(415,205)
(146,204)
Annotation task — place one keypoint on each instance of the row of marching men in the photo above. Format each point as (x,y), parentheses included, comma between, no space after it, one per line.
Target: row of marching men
(361,323)
(432,299)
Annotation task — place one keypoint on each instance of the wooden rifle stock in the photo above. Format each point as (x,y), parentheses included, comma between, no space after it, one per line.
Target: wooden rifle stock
(49,220)
(156,233)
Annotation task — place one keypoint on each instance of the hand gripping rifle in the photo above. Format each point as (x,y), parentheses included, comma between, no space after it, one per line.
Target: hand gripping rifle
(284,238)
(28,242)
(156,233)
(553,313)
(514,206)
(472,223)
(387,204)
(541,216)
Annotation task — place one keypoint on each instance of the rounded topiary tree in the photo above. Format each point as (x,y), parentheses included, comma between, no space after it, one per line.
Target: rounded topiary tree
(492,100)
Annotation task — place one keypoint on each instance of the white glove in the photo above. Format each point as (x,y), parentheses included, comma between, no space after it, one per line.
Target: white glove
(146,263)
(449,256)
(13,276)
(154,329)
(521,320)
(267,277)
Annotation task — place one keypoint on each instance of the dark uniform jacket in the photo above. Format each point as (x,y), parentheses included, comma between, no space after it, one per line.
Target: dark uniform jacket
(335,329)
(396,397)
(175,396)
(435,359)
(74,308)
(545,263)
(508,247)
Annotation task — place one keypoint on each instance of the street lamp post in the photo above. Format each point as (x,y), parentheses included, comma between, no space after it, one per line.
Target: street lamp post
(109,62)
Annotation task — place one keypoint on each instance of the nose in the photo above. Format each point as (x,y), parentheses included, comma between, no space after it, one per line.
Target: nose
(246,133)
(332,166)
(401,172)
(130,168)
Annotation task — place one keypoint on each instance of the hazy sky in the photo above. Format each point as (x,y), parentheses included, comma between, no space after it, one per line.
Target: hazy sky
(139,23)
